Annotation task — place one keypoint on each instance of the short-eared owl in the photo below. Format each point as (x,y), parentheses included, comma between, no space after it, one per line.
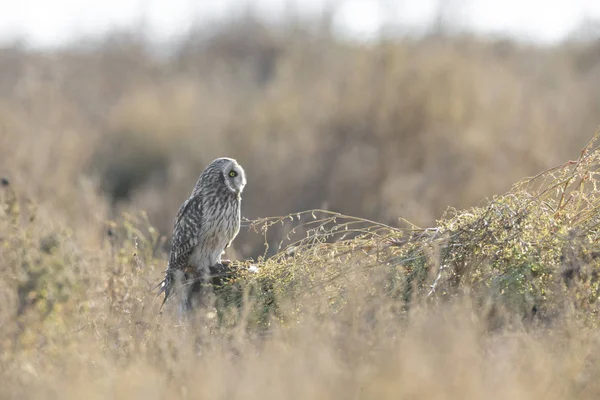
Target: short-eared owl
(205,225)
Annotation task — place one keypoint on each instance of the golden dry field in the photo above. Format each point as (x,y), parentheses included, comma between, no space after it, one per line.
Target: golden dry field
(453,251)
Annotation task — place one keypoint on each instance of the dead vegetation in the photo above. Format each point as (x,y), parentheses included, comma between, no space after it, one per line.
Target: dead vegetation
(496,298)
(507,293)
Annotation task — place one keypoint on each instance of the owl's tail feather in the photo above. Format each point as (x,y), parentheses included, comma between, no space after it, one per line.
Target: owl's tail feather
(163,287)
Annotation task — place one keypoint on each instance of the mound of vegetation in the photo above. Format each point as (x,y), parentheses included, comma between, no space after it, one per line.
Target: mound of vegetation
(531,253)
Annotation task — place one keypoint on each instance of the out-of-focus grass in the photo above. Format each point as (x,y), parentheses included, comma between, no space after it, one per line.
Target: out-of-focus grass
(394,128)
(101,143)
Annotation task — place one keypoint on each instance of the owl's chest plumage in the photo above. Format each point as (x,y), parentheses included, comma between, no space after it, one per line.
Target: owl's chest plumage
(220,225)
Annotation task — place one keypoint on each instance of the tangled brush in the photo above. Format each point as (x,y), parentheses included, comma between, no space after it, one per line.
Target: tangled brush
(530,252)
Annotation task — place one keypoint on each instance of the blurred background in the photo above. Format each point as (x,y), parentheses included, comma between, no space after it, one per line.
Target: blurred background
(378,109)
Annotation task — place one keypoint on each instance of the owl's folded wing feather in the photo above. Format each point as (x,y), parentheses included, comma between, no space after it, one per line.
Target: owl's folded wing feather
(186,230)
(185,238)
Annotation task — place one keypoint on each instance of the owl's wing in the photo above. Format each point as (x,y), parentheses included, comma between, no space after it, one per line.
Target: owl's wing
(186,230)
(185,238)
(181,211)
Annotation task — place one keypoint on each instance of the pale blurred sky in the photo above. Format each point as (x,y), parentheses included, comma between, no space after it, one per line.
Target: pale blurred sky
(52,22)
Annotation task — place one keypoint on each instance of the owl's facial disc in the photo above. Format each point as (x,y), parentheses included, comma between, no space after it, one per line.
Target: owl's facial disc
(235,178)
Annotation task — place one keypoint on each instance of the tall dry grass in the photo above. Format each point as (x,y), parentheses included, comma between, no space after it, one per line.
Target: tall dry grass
(396,128)
(348,309)
(100,142)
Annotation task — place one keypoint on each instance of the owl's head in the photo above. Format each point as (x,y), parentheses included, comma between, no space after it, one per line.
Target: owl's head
(222,174)
(231,173)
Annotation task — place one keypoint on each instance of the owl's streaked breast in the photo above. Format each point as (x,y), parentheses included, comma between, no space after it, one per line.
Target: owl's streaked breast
(217,234)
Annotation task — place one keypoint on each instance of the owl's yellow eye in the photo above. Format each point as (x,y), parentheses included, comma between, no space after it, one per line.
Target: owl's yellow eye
(233,174)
